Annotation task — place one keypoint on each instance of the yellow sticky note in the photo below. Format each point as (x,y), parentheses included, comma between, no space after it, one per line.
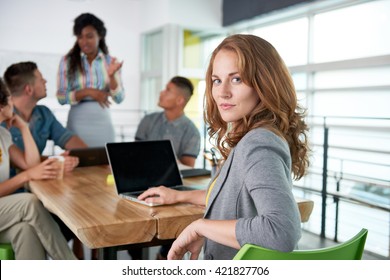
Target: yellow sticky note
(110,180)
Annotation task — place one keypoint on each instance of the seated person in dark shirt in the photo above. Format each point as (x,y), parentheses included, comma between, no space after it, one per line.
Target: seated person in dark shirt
(172,124)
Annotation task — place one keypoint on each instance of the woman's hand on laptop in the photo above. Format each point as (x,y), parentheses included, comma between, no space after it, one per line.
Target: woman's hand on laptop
(160,195)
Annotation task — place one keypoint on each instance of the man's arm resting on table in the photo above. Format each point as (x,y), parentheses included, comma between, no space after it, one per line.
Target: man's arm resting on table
(75,142)
(188,160)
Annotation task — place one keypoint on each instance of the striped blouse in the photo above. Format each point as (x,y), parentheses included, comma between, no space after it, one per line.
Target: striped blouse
(95,76)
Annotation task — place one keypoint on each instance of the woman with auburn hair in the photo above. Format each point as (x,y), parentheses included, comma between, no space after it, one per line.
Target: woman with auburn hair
(259,128)
(261,67)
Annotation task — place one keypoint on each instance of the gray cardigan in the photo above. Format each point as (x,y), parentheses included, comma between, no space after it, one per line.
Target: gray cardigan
(254,187)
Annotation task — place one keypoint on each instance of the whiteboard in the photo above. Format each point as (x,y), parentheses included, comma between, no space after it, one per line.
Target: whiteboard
(47,64)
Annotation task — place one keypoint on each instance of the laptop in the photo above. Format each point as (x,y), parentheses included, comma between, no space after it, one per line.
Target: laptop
(90,156)
(137,166)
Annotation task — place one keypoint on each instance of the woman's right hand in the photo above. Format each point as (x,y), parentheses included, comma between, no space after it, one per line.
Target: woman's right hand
(16,121)
(101,97)
(160,195)
(47,169)
(189,240)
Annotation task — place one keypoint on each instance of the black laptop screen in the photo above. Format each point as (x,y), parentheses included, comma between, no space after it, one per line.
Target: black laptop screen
(139,165)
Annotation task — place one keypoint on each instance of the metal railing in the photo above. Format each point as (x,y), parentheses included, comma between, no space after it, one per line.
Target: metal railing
(344,168)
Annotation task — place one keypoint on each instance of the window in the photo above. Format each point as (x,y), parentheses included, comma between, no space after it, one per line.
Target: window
(352,32)
(289,38)
(151,45)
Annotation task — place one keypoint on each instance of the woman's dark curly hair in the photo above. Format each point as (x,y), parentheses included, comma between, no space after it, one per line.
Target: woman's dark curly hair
(4,93)
(80,23)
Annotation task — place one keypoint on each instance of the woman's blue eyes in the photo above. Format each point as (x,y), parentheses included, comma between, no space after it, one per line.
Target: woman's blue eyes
(234,80)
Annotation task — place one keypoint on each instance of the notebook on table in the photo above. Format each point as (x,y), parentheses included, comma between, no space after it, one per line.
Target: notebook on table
(90,156)
(194,172)
(137,166)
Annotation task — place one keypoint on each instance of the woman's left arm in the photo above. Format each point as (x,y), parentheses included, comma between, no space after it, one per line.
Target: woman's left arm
(268,188)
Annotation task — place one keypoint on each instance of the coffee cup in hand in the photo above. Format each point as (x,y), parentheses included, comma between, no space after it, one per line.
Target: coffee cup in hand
(60,163)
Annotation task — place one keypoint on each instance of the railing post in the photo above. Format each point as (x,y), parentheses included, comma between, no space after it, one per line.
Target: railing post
(337,200)
(204,143)
(324,179)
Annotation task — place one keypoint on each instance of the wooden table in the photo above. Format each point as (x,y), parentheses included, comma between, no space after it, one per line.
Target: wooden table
(100,218)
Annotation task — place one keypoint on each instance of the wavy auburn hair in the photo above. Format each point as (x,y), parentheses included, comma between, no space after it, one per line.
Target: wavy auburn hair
(260,67)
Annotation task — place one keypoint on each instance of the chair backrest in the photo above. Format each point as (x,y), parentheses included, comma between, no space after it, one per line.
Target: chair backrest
(6,252)
(349,250)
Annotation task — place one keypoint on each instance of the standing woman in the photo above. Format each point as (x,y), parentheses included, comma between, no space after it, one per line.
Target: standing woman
(88,77)
(259,128)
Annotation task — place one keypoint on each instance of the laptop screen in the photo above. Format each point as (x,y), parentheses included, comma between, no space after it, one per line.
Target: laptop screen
(137,166)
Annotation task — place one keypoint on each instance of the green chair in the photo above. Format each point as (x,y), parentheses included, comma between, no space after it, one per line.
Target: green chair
(6,252)
(349,250)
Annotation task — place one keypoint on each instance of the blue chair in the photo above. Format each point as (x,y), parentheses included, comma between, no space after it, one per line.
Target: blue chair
(349,250)
(6,252)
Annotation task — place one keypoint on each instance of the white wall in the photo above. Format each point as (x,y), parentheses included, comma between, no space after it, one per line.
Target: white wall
(41,30)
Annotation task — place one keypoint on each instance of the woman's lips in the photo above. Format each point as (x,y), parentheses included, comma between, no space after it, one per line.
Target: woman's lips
(85,48)
(226,106)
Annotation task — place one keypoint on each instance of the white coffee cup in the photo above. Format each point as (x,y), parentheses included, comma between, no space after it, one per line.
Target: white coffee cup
(60,161)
